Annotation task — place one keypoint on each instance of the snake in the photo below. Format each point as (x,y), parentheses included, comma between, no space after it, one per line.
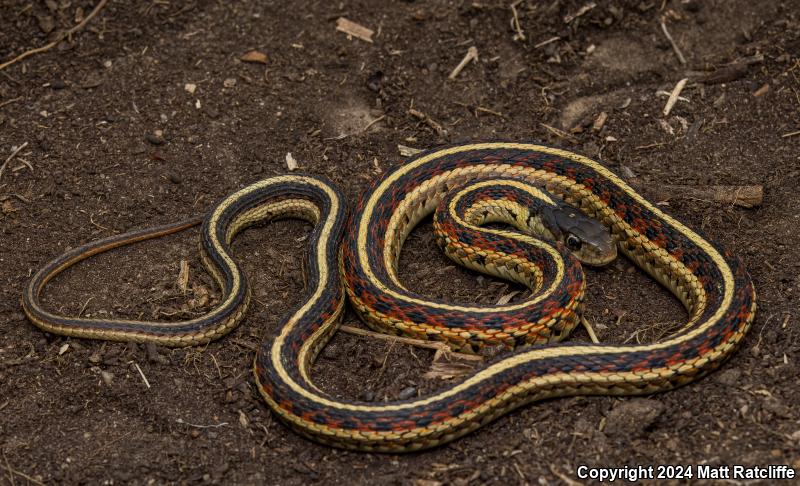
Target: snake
(525,212)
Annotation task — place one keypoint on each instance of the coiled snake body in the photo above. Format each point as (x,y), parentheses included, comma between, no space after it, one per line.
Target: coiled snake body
(710,282)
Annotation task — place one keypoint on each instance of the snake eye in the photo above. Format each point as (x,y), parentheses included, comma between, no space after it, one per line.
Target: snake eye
(573,243)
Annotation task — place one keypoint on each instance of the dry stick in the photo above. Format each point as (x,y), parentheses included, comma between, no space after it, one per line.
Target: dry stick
(12,100)
(471,55)
(589,330)
(144,378)
(377,120)
(545,42)
(581,11)
(413,342)
(567,480)
(672,42)
(790,134)
(558,133)
(428,120)
(61,37)
(673,97)
(515,21)
(13,154)
(742,196)
(21,474)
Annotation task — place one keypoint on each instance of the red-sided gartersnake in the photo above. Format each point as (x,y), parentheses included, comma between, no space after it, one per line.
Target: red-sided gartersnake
(710,282)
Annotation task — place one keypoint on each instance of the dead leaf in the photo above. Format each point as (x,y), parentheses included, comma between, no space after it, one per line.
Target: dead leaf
(505,299)
(254,56)
(448,371)
(8,207)
(406,151)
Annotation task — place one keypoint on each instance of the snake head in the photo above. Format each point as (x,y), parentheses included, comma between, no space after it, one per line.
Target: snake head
(585,237)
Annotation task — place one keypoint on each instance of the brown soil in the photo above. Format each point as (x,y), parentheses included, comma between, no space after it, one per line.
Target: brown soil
(82,413)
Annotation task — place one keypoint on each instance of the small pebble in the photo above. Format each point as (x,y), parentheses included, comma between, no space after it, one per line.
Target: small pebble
(107,377)
(58,84)
(95,358)
(229,82)
(154,139)
(407,393)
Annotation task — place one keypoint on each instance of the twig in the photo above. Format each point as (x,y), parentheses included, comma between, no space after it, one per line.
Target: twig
(144,378)
(590,330)
(12,100)
(581,11)
(673,97)
(520,35)
(109,443)
(377,120)
(742,196)
(491,112)
(558,133)
(212,426)
(672,42)
(85,305)
(790,134)
(12,472)
(428,120)
(61,37)
(567,480)
(471,55)
(413,342)
(13,154)
(545,42)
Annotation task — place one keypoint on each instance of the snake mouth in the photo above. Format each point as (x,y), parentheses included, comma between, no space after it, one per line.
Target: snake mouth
(598,254)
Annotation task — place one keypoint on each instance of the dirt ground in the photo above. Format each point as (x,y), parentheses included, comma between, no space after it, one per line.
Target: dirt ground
(116,140)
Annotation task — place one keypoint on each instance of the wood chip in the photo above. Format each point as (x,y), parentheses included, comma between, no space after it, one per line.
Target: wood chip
(673,97)
(353,29)
(761,91)
(254,56)
(183,276)
(291,163)
(600,121)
